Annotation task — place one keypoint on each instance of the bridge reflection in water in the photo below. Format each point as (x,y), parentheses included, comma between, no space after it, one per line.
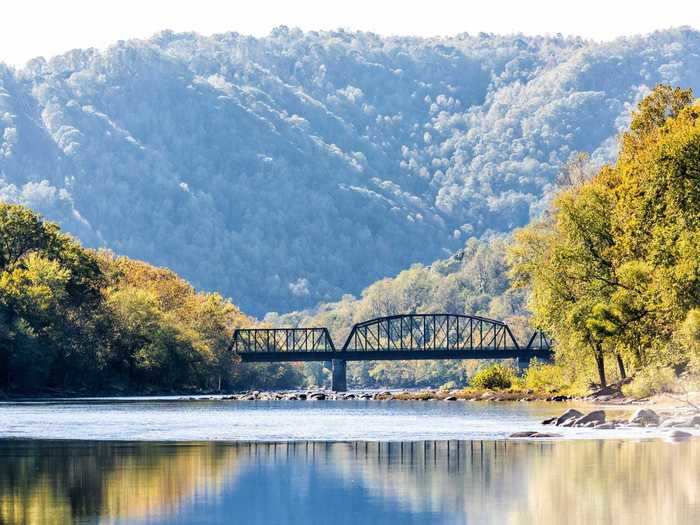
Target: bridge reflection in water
(397,337)
(456,482)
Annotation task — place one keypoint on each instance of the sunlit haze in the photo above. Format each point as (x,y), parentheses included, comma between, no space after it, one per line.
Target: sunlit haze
(39,28)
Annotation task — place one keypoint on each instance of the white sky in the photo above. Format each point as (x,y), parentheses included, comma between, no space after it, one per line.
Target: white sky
(30,28)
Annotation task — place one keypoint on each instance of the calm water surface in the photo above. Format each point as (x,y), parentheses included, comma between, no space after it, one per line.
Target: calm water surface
(179,420)
(438,463)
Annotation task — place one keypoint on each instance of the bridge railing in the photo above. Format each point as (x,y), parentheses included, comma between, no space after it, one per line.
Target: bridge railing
(282,340)
(426,332)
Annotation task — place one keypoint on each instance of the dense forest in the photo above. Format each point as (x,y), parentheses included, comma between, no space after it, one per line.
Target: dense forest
(74,320)
(291,169)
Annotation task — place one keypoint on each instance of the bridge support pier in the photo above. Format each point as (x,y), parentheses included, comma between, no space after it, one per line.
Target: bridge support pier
(338,377)
(523,364)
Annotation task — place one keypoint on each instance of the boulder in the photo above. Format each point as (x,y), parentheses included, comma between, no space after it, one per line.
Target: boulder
(672,422)
(679,435)
(682,422)
(572,413)
(525,434)
(689,422)
(607,392)
(645,416)
(609,425)
(317,396)
(550,421)
(450,398)
(569,422)
(559,398)
(595,417)
(534,434)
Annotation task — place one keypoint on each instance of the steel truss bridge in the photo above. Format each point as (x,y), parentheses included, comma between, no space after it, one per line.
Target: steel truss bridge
(396,337)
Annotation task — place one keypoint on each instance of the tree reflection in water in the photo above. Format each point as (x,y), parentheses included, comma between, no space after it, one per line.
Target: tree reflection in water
(416,482)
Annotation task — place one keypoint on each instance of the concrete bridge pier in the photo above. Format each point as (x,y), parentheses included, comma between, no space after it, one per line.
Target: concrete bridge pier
(523,364)
(338,377)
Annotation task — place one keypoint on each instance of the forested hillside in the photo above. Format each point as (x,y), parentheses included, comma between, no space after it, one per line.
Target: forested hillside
(78,321)
(291,169)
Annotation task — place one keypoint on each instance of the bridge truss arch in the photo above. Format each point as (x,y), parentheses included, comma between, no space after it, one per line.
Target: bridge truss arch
(430,332)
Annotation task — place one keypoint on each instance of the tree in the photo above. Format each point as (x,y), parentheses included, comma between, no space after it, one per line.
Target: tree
(615,265)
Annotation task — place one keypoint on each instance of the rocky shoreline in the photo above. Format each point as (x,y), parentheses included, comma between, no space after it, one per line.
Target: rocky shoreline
(673,421)
(429,395)
(676,420)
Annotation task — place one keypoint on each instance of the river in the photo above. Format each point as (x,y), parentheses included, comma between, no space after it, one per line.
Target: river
(211,462)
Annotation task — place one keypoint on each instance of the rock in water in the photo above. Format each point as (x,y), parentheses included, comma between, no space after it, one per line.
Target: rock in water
(534,434)
(645,416)
(681,422)
(569,422)
(595,417)
(679,435)
(605,426)
(569,414)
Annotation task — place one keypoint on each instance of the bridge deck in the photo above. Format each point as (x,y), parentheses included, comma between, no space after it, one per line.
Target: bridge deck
(393,355)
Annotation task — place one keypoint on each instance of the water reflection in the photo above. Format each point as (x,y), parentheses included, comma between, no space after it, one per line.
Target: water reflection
(475,482)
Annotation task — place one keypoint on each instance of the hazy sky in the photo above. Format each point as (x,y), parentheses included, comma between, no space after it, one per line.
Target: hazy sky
(30,28)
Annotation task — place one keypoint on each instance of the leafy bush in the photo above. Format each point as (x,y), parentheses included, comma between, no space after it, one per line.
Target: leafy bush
(450,385)
(543,377)
(651,381)
(496,376)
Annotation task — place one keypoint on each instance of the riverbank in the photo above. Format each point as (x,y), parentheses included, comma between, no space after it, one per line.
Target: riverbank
(664,401)
(612,397)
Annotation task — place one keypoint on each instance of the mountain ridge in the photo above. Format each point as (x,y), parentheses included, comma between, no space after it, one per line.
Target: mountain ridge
(290,169)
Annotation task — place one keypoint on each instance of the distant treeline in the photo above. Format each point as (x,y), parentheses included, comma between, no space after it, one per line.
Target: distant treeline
(74,320)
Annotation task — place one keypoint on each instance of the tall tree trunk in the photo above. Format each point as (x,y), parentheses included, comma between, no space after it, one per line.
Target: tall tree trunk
(621,366)
(600,362)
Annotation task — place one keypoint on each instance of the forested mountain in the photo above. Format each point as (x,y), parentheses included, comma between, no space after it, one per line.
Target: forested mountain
(291,169)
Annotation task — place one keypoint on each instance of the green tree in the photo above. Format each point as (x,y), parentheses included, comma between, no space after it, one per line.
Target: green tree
(615,264)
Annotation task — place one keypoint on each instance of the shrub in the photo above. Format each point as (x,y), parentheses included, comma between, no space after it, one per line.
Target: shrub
(450,385)
(650,381)
(543,377)
(496,376)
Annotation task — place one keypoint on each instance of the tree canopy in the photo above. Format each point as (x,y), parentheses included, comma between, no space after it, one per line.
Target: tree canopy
(75,320)
(614,266)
